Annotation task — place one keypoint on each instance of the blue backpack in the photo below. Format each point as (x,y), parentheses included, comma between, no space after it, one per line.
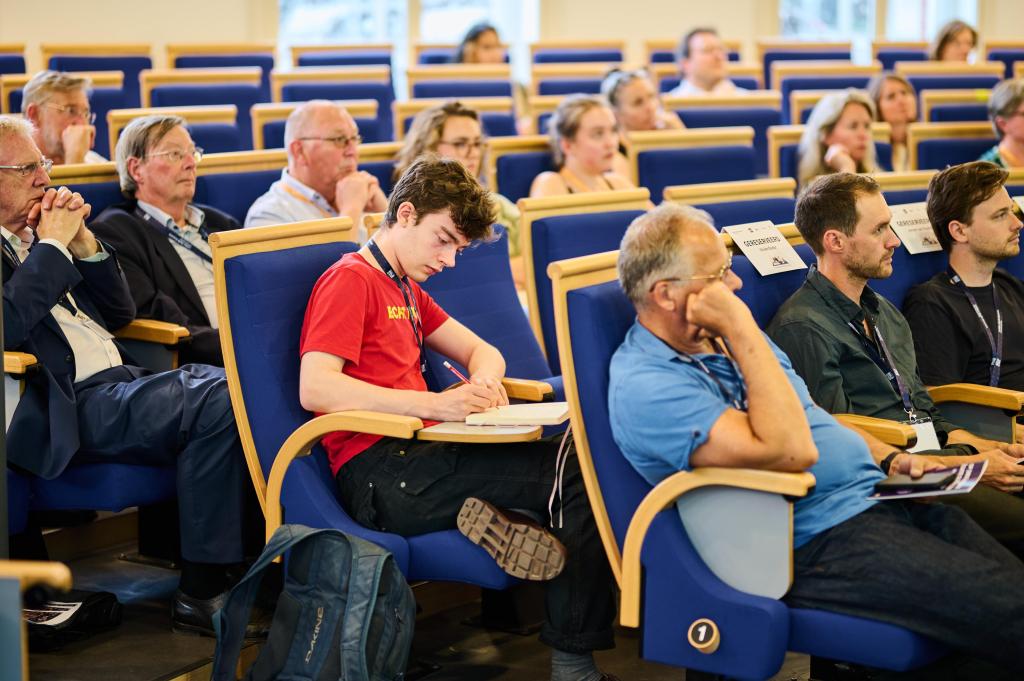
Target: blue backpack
(346,612)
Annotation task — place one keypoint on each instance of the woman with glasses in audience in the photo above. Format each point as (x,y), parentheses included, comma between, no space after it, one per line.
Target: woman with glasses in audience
(584,138)
(452,130)
(954,42)
(837,137)
(896,104)
(1006,111)
(635,102)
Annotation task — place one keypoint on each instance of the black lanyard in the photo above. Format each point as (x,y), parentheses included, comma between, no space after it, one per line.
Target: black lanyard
(410,299)
(64,301)
(885,363)
(738,402)
(176,236)
(996,365)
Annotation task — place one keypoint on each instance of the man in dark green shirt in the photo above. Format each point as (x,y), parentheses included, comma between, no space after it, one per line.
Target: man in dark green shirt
(855,350)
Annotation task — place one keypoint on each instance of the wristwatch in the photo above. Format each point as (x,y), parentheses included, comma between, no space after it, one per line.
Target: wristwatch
(887,461)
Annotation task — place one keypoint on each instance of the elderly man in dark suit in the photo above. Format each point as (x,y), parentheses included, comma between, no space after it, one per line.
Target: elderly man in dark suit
(63,290)
(161,236)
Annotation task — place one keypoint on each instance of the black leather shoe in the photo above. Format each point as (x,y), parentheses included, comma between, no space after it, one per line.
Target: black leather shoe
(194,616)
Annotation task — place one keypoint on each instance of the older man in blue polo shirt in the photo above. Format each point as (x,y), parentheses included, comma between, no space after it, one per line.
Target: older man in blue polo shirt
(696,383)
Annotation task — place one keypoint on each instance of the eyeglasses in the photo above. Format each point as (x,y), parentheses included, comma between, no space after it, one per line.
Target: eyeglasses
(464,146)
(177,155)
(75,112)
(26,169)
(717,276)
(340,141)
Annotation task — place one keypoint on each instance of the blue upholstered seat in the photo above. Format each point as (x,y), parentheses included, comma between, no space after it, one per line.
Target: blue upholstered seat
(660,168)
(757,117)
(130,66)
(908,271)
(99,195)
(346,58)
(515,172)
(480,293)
(668,83)
(447,89)
(778,210)
(383,171)
(953,82)
(1008,56)
(764,295)
(17,502)
(896,197)
(437,55)
(384,93)
(787,84)
(940,153)
(234,193)
(773,55)
(888,56)
(12,63)
(573,55)
(217,138)
(949,113)
(267,294)
(104,487)
(264,61)
(678,586)
(569,86)
(788,159)
(568,236)
(242,96)
(669,56)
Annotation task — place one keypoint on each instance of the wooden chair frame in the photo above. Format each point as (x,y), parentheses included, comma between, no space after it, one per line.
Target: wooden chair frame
(47,50)
(589,69)
(419,48)
(932,98)
(117,119)
(918,132)
(471,72)
(637,142)
(499,146)
(297,51)
(672,45)
(330,74)
(412,107)
(581,44)
(234,75)
(175,50)
(740,190)
(782,135)
(266,112)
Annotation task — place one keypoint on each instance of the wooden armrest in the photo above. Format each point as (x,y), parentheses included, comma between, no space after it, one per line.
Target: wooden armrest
(153,331)
(890,432)
(32,572)
(18,362)
(982,395)
(300,442)
(525,389)
(666,493)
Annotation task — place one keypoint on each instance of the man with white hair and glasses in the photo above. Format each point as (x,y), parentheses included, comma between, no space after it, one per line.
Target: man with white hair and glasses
(57,104)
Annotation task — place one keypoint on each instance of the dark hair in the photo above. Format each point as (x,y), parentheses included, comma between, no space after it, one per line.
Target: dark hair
(616,78)
(684,44)
(830,202)
(946,35)
(954,193)
(473,35)
(432,184)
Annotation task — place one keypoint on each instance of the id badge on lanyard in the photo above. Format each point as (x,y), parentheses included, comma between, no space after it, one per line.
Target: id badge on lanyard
(927,438)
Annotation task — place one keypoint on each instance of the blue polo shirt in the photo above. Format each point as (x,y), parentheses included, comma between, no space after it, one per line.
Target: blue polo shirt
(663,406)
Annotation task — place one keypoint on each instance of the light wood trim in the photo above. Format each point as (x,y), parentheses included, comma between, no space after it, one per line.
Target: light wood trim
(117,119)
(672,45)
(799,100)
(531,209)
(739,190)
(412,107)
(233,75)
(890,432)
(543,104)
(981,395)
(933,98)
(17,363)
(499,146)
(526,389)
(666,493)
(327,74)
(764,44)
(371,222)
(175,50)
(428,72)
(782,135)
(419,48)
(301,442)
(911,179)
(751,98)
(13,48)
(153,331)
(1003,44)
(669,70)
(589,69)
(580,44)
(878,45)
(949,68)
(297,51)
(640,141)
(265,112)
(916,132)
(47,50)
(483,435)
(29,573)
(83,173)
(10,82)
(785,68)
(1018,69)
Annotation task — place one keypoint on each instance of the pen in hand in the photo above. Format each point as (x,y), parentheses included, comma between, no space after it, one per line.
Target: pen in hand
(458,374)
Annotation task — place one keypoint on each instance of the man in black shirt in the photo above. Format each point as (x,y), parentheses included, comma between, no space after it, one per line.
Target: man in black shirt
(968,320)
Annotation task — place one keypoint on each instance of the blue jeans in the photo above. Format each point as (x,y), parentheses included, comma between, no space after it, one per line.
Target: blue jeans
(926,567)
(419,487)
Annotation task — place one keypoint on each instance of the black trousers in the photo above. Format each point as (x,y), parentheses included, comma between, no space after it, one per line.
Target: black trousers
(180,418)
(412,487)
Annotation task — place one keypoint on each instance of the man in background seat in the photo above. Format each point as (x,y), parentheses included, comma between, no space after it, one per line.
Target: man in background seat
(704,65)
(57,104)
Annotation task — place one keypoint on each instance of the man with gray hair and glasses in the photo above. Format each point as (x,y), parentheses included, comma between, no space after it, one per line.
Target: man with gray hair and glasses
(322,179)
(1006,111)
(161,235)
(696,383)
(57,104)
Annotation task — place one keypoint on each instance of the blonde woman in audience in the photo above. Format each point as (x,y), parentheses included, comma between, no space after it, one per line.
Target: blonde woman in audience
(837,137)
(896,104)
(584,143)
(635,101)
(1006,111)
(954,42)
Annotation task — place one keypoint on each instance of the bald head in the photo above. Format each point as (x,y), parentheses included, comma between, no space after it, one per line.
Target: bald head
(323,145)
(669,241)
(313,117)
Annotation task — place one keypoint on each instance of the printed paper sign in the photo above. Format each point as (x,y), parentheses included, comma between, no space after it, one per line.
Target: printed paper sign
(911,224)
(765,247)
(1020,202)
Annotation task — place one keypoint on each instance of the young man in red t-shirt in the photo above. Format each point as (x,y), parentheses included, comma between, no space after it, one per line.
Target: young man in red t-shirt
(363,336)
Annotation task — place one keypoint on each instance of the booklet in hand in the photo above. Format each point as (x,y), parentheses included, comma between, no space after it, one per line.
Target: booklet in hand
(957,480)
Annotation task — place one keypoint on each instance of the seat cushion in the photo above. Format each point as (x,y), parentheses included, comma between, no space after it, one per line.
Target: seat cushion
(660,168)
(104,487)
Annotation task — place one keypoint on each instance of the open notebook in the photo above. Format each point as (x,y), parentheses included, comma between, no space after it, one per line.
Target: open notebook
(532,414)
